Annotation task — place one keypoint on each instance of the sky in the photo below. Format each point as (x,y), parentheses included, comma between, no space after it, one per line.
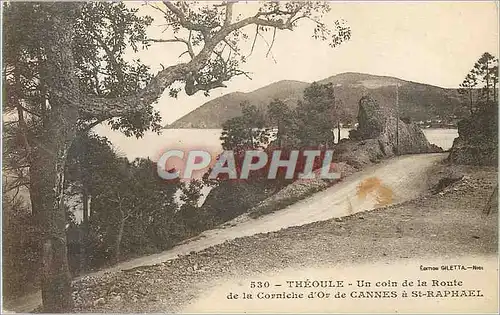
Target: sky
(429,42)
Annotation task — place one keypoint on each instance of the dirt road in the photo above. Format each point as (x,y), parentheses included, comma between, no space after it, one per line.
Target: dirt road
(400,179)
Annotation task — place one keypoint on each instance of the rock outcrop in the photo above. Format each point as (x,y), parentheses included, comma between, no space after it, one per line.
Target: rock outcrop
(477,142)
(376,136)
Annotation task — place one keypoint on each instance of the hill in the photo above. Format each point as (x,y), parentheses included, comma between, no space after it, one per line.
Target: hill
(416,100)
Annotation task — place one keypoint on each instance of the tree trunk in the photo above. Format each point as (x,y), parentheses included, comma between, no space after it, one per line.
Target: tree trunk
(471,108)
(495,91)
(121,227)
(252,142)
(338,131)
(492,204)
(85,227)
(48,180)
(50,155)
(279,134)
(119,238)
(487,82)
(85,200)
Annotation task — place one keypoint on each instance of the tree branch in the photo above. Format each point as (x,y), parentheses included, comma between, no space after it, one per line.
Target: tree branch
(89,127)
(150,94)
(230,45)
(119,106)
(28,110)
(191,88)
(229,13)
(159,9)
(269,47)
(176,40)
(254,40)
(16,185)
(112,58)
(184,22)
(272,43)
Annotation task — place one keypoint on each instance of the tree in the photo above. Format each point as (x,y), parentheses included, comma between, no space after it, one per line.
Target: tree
(467,88)
(118,198)
(34,71)
(20,251)
(494,79)
(245,132)
(316,116)
(282,117)
(91,162)
(481,80)
(486,69)
(190,213)
(340,114)
(131,207)
(94,169)
(60,56)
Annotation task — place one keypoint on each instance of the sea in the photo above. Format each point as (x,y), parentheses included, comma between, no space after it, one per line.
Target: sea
(152,145)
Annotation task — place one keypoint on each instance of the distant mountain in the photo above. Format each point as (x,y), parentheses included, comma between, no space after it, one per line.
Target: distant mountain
(416,100)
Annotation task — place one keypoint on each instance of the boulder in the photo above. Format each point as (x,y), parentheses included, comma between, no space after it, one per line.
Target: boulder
(372,119)
(477,142)
(379,135)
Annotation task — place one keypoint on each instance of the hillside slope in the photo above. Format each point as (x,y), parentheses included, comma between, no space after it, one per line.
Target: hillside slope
(416,100)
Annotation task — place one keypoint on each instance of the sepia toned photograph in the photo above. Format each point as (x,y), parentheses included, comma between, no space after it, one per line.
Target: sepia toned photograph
(250,157)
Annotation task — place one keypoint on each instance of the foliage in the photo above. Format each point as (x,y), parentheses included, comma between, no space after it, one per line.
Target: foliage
(190,215)
(467,89)
(20,246)
(230,199)
(245,132)
(486,71)
(102,33)
(127,196)
(316,116)
(282,117)
(479,88)
(309,126)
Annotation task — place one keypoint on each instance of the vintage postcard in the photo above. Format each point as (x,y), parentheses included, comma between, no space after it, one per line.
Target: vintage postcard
(250,157)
